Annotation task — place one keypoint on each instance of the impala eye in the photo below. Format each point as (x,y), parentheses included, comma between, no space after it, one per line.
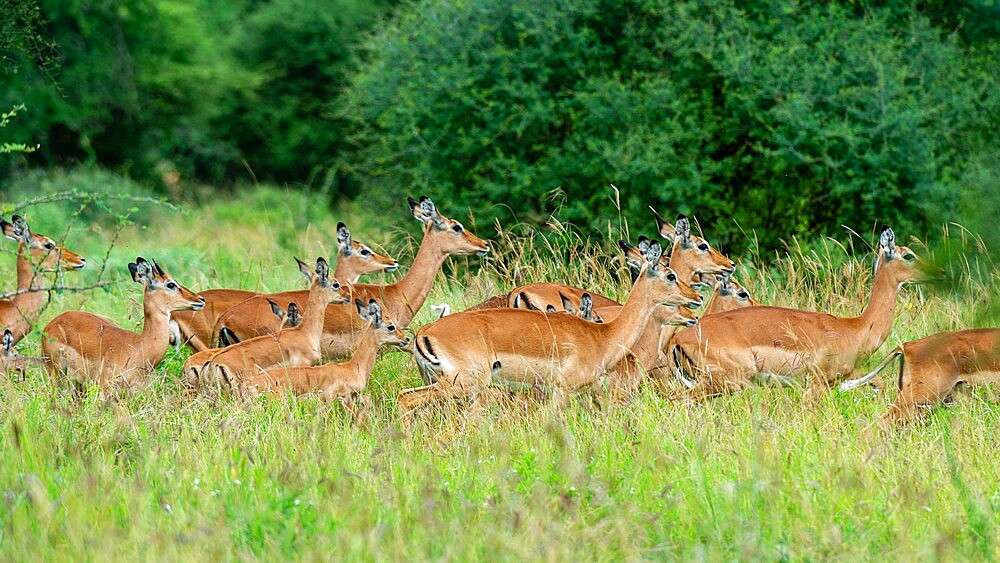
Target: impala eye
(671,277)
(172,286)
(457,227)
(365,252)
(703,247)
(50,245)
(743,295)
(391,328)
(909,257)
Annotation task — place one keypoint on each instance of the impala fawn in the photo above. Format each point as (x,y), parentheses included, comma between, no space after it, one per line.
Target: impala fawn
(89,348)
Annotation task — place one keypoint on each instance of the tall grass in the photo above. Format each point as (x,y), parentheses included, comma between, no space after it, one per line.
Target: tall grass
(757,475)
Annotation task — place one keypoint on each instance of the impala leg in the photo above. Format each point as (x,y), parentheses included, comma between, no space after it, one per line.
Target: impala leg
(920,387)
(444,389)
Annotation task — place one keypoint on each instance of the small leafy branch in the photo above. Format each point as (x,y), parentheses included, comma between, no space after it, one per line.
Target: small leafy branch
(7,148)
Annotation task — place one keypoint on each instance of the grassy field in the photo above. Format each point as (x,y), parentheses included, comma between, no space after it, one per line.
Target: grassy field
(758,475)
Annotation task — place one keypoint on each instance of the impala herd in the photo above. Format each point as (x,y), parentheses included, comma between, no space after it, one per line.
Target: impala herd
(540,336)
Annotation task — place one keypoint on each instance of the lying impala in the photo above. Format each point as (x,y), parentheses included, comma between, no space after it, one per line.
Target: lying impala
(464,352)
(726,350)
(87,347)
(342,328)
(293,346)
(931,367)
(728,295)
(11,363)
(354,259)
(35,254)
(345,380)
(289,347)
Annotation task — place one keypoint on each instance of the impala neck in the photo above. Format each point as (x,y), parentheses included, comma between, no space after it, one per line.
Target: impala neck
(155,333)
(343,271)
(876,320)
(363,360)
(314,314)
(28,278)
(621,334)
(404,298)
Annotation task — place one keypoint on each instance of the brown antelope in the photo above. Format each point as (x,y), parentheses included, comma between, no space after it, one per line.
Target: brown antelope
(462,353)
(35,254)
(345,381)
(354,259)
(585,309)
(725,351)
(11,363)
(192,366)
(931,367)
(87,347)
(289,347)
(443,237)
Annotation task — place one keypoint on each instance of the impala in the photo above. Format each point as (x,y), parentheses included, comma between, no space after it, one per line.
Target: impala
(354,259)
(585,309)
(931,367)
(11,363)
(346,380)
(443,237)
(35,254)
(462,353)
(87,347)
(290,347)
(292,318)
(726,350)
(728,295)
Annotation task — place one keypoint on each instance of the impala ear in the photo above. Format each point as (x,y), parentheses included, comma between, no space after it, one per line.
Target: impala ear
(887,243)
(304,268)
(375,312)
(344,239)
(633,257)
(8,342)
(666,229)
(683,229)
(158,270)
(142,271)
(653,255)
(425,212)
(643,245)
(322,270)
(276,309)
(362,308)
(293,314)
(17,230)
(586,306)
(567,304)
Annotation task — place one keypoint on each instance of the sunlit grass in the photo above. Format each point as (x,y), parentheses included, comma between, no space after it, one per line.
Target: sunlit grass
(758,475)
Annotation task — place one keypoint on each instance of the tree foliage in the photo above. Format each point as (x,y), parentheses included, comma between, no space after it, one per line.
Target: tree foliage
(788,118)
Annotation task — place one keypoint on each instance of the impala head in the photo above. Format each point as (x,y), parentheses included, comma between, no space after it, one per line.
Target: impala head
(727,287)
(10,362)
(899,262)
(452,237)
(171,295)
(44,251)
(667,288)
(674,315)
(388,332)
(321,280)
(359,257)
(698,254)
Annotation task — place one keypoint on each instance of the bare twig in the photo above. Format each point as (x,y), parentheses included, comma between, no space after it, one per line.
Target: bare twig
(57,288)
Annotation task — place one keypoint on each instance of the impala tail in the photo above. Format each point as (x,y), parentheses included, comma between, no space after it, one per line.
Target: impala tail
(855,383)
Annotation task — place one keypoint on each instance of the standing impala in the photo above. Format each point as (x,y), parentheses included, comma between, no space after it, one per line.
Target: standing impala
(462,353)
(290,347)
(35,254)
(346,380)
(931,367)
(726,350)
(354,259)
(443,237)
(87,347)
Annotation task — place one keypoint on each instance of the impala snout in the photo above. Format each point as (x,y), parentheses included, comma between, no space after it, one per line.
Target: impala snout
(393,267)
(199,304)
(484,251)
(691,322)
(79,265)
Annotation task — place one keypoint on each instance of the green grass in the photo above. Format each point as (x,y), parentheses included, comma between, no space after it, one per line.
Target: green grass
(758,475)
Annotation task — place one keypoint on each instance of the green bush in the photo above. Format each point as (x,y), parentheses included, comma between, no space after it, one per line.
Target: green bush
(785,119)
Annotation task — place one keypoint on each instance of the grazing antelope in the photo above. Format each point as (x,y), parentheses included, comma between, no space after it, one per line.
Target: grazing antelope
(463,353)
(11,363)
(354,259)
(726,350)
(931,367)
(346,380)
(87,347)
(289,347)
(443,237)
(35,254)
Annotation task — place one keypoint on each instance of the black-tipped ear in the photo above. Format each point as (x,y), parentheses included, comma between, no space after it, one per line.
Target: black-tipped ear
(362,308)
(550,308)
(19,229)
(887,242)
(624,245)
(344,238)
(653,254)
(683,227)
(8,342)
(664,227)
(375,312)
(567,304)
(8,229)
(413,203)
(304,268)
(157,269)
(322,268)
(276,309)
(141,271)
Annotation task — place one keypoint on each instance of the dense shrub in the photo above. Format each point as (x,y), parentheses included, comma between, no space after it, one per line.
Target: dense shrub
(787,119)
